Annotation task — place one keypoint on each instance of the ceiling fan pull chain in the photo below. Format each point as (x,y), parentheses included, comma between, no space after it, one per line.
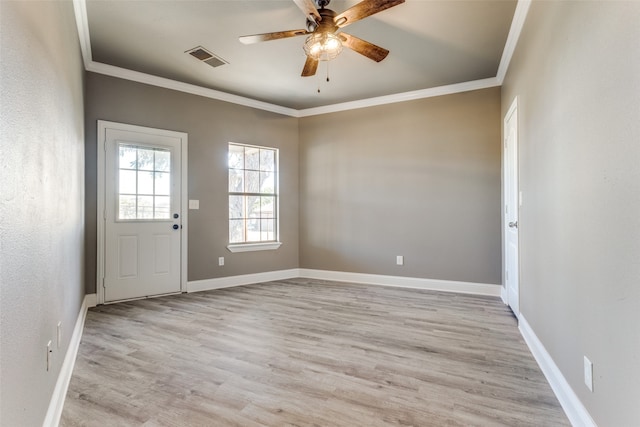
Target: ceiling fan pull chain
(328,71)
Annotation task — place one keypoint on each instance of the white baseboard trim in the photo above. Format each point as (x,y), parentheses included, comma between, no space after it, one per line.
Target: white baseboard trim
(244,279)
(403,282)
(52,419)
(573,407)
(91,300)
(341,276)
(503,295)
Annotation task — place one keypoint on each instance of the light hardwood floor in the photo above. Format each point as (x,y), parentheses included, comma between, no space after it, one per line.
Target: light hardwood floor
(306,352)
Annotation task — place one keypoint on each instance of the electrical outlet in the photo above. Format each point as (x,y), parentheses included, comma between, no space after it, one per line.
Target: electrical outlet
(49,355)
(221,261)
(399,260)
(588,373)
(59,334)
(194,204)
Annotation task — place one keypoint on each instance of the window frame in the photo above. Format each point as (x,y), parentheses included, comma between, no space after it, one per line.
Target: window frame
(249,246)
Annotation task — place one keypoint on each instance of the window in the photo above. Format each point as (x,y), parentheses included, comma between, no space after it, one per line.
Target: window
(253,197)
(144,183)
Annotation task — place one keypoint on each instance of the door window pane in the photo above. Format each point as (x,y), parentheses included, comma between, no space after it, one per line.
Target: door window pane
(127,207)
(145,159)
(145,207)
(162,183)
(163,161)
(144,183)
(162,207)
(127,181)
(128,157)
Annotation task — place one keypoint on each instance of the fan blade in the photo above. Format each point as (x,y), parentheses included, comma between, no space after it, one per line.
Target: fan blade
(255,38)
(363,9)
(310,67)
(309,9)
(363,47)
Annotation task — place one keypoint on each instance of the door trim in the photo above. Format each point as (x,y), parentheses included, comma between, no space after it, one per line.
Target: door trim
(100,213)
(504,291)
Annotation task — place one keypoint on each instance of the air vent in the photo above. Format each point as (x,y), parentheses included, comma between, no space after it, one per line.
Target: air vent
(207,57)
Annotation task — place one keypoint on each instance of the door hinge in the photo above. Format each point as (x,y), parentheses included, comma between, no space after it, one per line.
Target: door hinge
(103,285)
(104,214)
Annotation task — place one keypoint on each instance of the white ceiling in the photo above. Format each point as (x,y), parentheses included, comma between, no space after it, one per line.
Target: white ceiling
(433,43)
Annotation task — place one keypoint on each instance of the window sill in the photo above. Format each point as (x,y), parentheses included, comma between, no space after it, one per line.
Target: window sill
(250,247)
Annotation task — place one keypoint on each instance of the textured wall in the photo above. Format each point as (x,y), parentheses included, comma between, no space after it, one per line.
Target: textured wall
(41,200)
(576,73)
(419,179)
(211,125)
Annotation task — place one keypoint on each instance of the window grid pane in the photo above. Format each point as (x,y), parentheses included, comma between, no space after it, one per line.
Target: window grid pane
(144,183)
(253,181)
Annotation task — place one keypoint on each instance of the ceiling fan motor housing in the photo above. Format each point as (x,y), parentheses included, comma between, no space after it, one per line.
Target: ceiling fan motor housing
(327,23)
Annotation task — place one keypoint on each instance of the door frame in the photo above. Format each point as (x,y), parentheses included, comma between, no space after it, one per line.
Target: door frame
(504,291)
(103,125)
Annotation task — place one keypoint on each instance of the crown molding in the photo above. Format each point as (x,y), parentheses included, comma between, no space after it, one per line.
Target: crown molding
(136,76)
(519,16)
(82,23)
(402,97)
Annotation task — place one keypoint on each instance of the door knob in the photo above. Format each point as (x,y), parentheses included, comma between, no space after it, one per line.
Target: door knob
(176,226)
(513,224)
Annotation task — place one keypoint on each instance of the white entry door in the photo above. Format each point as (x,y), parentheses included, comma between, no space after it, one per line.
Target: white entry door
(512,203)
(142,212)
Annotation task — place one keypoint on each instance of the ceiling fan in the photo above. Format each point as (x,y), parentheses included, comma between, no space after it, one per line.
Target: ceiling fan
(324,27)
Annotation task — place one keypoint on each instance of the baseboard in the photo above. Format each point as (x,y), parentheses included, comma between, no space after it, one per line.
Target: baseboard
(573,407)
(52,419)
(91,300)
(341,276)
(244,279)
(404,282)
(503,295)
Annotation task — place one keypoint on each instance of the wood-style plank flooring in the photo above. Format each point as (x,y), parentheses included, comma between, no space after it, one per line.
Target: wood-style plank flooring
(305,352)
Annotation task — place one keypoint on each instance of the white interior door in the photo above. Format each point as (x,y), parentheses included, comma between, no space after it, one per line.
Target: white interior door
(512,203)
(142,213)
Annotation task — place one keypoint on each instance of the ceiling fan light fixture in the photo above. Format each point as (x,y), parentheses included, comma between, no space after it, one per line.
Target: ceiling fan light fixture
(323,46)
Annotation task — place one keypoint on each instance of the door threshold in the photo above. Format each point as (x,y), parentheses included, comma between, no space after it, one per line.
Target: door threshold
(141,298)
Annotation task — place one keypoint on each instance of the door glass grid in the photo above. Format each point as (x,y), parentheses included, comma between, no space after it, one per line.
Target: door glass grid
(144,183)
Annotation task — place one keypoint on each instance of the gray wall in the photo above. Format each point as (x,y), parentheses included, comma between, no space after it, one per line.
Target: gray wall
(211,125)
(419,179)
(41,200)
(576,73)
